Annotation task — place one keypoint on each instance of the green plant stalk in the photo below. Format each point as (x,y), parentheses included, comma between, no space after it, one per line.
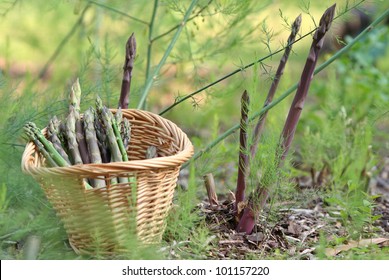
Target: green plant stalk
(48,146)
(107,120)
(118,12)
(125,132)
(75,95)
(150,43)
(93,147)
(127,72)
(119,140)
(100,132)
(52,132)
(259,113)
(116,154)
(243,151)
(51,152)
(50,161)
(186,97)
(75,101)
(247,222)
(71,137)
(280,70)
(119,117)
(149,81)
(90,135)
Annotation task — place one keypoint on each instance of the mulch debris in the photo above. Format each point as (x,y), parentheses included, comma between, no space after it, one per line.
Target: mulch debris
(296,232)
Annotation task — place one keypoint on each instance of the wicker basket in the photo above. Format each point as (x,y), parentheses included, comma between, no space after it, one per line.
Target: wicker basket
(103,219)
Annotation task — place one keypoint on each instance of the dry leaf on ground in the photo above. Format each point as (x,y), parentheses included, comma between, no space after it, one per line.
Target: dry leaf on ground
(331,252)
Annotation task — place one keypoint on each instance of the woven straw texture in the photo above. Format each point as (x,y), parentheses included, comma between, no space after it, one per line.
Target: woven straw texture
(104,219)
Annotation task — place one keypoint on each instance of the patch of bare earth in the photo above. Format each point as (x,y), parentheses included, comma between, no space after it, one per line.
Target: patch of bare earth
(296,232)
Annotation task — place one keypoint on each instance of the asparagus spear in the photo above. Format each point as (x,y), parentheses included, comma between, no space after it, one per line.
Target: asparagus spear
(119,140)
(75,100)
(47,149)
(247,222)
(34,133)
(125,132)
(280,70)
(120,132)
(119,117)
(243,154)
(100,132)
(71,137)
(113,144)
(91,140)
(113,141)
(75,95)
(305,80)
(40,147)
(127,72)
(53,131)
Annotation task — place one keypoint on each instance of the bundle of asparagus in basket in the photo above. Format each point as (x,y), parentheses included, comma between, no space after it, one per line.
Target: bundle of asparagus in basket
(97,137)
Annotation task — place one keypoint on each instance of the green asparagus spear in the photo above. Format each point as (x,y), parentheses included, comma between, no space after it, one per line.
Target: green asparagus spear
(71,137)
(125,132)
(119,140)
(100,132)
(75,100)
(117,125)
(40,147)
(91,140)
(75,95)
(119,117)
(113,144)
(108,120)
(48,146)
(52,132)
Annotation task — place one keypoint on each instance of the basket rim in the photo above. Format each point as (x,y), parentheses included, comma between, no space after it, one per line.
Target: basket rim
(31,166)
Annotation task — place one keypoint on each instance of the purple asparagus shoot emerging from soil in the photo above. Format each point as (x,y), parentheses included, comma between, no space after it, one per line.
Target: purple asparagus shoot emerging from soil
(248,219)
(280,70)
(258,200)
(243,153)
(305,81)
(127,72)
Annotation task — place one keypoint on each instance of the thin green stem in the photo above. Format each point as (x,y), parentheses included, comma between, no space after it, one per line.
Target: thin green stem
(119,12)
(291,89)
(182,99)
(150,43)
(149,81)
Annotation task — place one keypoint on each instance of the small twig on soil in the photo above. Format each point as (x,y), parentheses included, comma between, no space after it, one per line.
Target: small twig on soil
(211,189)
